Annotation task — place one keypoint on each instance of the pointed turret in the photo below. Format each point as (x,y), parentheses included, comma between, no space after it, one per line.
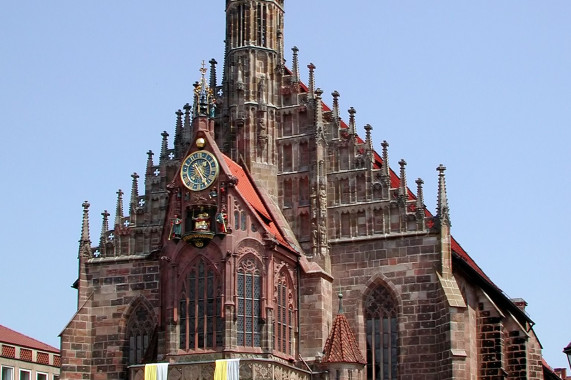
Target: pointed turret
(341,352)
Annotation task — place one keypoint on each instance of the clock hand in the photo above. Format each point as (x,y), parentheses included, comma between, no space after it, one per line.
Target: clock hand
(198,169)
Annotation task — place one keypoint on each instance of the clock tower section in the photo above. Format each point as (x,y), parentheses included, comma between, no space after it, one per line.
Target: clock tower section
(248,121)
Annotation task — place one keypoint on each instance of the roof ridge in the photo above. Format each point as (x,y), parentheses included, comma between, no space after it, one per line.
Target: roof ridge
(7,335)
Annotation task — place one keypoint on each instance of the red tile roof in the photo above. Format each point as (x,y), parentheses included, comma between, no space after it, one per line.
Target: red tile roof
(247,189)
(341,345)
(12,337)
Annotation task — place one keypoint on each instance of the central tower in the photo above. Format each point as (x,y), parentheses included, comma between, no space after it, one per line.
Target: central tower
(253,70)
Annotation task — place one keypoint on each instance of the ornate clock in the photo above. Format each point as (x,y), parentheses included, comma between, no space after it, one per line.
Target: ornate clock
(199,170)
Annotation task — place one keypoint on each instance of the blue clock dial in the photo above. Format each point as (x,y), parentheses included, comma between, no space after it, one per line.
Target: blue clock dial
(199,170)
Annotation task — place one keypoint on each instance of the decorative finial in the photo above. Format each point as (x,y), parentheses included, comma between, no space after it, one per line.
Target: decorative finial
(85,242)
(402,187)
(119,209)
(213,64)
(134,193)
(318,112)
(420,208)
(368,139)
(352,113)
(443,210)
(164,144)
(103,237)
(311,89)
(186,126)
(340,295)
(385,164)
(85,224)
(335,110)
(419,194)
(295,65)
(150,164)
(178,133)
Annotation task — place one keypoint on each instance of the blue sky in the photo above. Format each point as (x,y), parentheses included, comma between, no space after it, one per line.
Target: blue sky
(481,87)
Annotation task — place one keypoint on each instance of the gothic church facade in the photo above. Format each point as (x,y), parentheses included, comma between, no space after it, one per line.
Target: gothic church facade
(271,232)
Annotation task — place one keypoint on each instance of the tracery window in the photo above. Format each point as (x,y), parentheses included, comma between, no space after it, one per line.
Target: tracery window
(139,334)
(382,334)
(249,289)
(200,321)
(284,314)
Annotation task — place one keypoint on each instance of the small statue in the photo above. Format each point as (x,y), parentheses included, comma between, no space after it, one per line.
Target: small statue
(176,227)
(212,110)
(202,222)
(222,221)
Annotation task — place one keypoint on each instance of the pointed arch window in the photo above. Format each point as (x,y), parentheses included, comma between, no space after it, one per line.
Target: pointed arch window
(200,320)
(140,330)
(284,314)
(249,290)
(382,334)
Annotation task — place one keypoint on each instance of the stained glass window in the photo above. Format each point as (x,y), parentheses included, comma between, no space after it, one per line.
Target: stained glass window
(382,335)
(249,289)
(199,311)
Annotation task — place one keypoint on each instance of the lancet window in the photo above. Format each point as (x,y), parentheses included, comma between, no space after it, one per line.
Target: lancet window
(139,331)
(200,321)
(284,314)
(249,291)
(382,334)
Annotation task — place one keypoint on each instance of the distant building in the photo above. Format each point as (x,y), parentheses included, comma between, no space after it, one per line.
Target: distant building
(25,358)
(265,207)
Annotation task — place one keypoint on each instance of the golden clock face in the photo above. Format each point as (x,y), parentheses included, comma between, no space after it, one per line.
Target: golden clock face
(199,170)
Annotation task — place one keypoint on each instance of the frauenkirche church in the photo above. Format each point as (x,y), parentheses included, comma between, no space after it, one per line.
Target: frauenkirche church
(270,240)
